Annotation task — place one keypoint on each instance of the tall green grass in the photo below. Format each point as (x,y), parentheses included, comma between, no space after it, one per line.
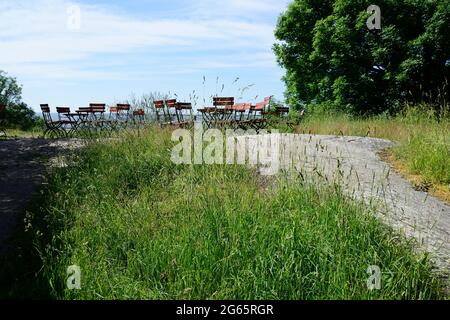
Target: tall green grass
(426,151)
(141,227)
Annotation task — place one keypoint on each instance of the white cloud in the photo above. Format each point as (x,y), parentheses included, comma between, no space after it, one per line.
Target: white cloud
(238,8)
(35,40)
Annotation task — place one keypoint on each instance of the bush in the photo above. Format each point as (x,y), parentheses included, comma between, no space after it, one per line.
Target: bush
(17,114)
(20,116)
(331,56)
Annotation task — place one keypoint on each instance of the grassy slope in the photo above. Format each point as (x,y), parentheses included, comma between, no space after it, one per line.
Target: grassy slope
(17,133)
(141,227)
(424,143)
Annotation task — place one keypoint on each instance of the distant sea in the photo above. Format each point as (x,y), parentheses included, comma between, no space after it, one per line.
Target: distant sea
(54,115)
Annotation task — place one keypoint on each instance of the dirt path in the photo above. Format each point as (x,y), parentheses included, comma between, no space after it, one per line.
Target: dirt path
(23,165)
(355,163)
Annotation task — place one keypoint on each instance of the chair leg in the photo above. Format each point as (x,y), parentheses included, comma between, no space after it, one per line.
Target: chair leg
(52,133)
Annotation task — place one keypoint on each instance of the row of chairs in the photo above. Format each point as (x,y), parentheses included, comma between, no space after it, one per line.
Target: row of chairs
(173,113)
(86,121)
(225,113)
(95,118)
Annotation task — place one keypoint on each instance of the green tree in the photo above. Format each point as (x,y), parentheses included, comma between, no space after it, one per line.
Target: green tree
(17,113)
(331,56)
(10,90)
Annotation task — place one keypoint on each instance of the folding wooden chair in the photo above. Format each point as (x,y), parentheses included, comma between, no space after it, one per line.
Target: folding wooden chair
(258,114)
(282,114)
(161,114)
(85,121)
(119,116)
(52,128)
(98,120)
(123,114)
(139,117)
(171,105)
(222,112)
(114,117)
(68,124)
(184,114)
(294,121)
(241,121)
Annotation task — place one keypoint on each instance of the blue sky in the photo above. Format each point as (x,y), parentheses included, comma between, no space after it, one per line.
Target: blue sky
(139,46)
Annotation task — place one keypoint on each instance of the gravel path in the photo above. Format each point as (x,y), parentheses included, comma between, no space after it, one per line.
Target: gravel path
(23,165)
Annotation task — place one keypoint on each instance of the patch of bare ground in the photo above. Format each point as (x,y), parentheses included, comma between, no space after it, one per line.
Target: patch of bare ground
(24,164)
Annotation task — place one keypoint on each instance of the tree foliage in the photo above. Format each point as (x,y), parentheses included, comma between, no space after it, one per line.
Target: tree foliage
(10,90)
(17,113)
(331,56)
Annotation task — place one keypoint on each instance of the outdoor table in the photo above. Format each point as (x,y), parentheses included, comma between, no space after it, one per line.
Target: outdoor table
(85,119)
(216,116)
(77,117)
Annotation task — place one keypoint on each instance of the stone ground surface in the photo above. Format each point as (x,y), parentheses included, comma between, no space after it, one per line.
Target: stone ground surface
(23,165)
(354,160)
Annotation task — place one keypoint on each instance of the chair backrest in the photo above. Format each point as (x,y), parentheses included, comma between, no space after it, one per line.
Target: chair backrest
(63,109)
(180,107)
(172,103)
(242,106)
(120,107)
(139,116)
(159,104)
(139,112)
(184,106)
(46,113)
(260,106)
(85,109)
(97,107)
(45,108)
(123,111)
(97,110)
(123,107)
(282,110)
(227,102)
